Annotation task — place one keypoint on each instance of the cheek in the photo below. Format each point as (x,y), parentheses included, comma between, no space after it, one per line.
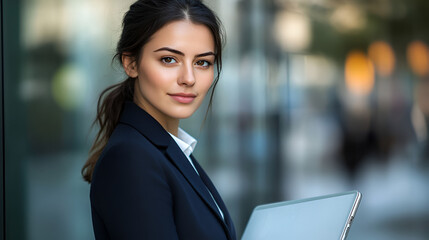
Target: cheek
(156,78)
(206,80)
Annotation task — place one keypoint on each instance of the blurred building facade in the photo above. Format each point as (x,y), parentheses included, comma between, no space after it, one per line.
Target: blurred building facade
(315,97)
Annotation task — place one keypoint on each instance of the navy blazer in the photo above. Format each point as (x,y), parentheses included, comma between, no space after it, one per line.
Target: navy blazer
(143,187)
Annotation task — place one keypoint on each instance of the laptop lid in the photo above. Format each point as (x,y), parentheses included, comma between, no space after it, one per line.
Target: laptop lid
(326,217)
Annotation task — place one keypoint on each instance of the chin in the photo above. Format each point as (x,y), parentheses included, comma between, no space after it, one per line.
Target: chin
(182,113)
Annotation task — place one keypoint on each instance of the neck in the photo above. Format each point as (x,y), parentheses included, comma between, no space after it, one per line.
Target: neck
(170,125)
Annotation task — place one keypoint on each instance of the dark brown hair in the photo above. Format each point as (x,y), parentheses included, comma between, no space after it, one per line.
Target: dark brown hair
(142,20)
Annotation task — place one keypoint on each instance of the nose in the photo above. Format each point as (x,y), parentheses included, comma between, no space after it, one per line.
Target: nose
(187,75)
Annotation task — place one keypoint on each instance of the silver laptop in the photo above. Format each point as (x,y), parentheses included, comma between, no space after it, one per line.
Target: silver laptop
(323,218)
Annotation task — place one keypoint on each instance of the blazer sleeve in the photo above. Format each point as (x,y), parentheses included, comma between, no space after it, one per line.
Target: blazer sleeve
(130,195)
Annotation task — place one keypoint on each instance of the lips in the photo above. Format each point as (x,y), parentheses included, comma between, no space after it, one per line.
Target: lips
(183,97)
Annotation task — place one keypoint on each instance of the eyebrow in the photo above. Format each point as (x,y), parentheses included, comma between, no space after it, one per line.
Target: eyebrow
(180,53)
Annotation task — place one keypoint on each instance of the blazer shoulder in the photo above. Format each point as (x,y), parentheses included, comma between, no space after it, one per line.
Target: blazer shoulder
(128,148)
(127,138)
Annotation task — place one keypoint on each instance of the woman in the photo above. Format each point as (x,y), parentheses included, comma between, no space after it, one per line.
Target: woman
(145,184)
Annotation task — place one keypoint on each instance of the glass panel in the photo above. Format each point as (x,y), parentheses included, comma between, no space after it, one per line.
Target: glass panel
(58,59)
(1,128)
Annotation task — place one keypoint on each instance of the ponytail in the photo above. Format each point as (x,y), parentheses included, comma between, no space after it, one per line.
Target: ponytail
(109,108)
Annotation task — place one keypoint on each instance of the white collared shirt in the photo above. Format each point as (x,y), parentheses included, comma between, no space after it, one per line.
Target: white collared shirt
(187,144)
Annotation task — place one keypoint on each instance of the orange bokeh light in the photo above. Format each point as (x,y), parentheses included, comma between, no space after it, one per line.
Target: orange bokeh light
(359,73)
(383,57)
(418,58)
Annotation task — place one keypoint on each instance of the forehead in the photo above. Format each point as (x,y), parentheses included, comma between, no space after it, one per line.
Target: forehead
(183,35)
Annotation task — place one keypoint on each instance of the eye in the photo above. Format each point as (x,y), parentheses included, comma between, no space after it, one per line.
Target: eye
(203,63)
(168,60)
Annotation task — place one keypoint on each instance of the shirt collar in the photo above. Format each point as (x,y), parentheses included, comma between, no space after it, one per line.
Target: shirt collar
(185,142)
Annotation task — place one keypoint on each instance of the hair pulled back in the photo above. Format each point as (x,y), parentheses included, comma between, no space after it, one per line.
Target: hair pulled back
(143,19)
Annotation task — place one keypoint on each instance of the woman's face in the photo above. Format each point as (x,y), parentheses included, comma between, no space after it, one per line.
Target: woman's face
(175,71)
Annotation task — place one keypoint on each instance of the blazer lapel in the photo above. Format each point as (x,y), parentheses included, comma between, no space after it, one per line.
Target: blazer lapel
(139,119)
(219,201)
(181,162)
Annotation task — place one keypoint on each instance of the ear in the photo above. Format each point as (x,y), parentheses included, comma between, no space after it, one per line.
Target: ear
(130,65)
